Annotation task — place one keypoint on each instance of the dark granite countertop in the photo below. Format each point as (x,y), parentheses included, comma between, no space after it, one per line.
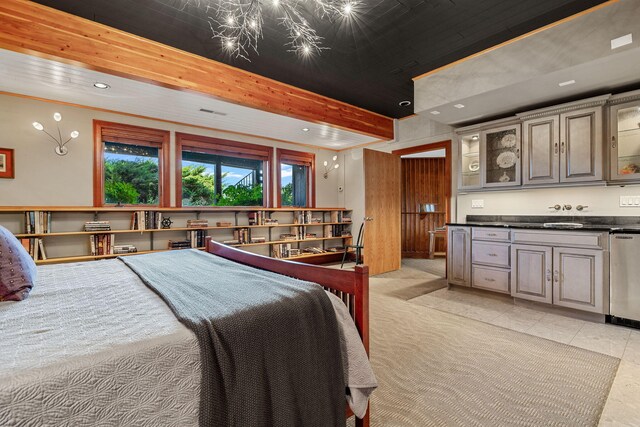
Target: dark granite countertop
(614,224)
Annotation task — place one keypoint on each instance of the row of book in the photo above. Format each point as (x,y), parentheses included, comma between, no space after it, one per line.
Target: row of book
(305,217)
(260,218)
(97,226)
(197,238)
(146,220)
(197,223)
(340,216)
(335,231)
(35,247)
(37,222)
(102,244)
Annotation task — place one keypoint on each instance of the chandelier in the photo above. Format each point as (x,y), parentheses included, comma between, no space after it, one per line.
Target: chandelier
(238,23)
(61,149)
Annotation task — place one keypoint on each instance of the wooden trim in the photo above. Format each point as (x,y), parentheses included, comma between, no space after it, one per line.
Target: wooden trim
(365,144)
(31,28)
(224,147)
(515,39)
(130,134)
(297,158)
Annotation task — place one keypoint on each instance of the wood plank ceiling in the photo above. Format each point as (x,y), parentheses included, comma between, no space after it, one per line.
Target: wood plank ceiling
(370,62)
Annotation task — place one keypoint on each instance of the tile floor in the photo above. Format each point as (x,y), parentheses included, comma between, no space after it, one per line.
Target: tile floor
(623,404)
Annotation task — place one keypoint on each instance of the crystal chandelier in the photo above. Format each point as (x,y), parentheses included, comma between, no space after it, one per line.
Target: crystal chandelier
(238,23)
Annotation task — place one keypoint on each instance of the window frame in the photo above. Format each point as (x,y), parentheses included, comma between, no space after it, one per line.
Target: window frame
(135,135)
(299,158)
(223,147)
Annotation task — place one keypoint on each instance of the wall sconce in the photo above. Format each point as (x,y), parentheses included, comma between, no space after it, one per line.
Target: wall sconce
(328,168)
(61,150)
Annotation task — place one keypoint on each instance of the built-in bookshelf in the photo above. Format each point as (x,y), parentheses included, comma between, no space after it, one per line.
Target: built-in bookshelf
(68,234)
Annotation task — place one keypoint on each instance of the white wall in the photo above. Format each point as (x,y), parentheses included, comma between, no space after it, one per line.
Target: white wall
(44,178)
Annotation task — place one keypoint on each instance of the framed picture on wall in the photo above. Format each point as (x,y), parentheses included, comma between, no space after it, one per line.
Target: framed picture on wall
(6,163)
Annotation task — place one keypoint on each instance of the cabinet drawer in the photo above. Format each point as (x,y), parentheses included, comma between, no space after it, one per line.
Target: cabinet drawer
(488,233)
(561,238)
(493,279)
(496,254)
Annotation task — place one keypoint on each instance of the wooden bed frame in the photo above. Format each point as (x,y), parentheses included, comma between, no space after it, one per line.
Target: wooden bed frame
(350,286)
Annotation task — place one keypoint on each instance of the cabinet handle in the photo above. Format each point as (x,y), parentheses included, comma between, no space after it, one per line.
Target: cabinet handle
(491,234)
(493,254)
(562,147)
(555,276)
(548,275)
(613,142)
(518,153)
(489,280)
(555,148)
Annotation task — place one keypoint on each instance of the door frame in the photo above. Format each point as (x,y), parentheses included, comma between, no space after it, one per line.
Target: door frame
(447,169)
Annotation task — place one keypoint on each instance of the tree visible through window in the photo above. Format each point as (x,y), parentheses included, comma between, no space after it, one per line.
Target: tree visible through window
(295,178)
(130,174)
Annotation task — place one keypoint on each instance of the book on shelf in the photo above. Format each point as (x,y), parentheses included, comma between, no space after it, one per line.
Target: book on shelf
(35,247)
(101,244)
(314,250)
(288,236)
(270,221)
(37,222)
(327,231)
(336,249)
(302,217)
(97,226)
(281,250)
(223,224)
(124,249)
(196,237)
(258,239)
(257,217)
(231,242)
(242,235)
(179,244)
(197,223)
(146,220)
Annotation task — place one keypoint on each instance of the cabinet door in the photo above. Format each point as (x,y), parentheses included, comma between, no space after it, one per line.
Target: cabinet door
(625,141)
(578,279)
(531,272)
(459,256)
(470,168)
(540,151)
(581,145)
(500,156)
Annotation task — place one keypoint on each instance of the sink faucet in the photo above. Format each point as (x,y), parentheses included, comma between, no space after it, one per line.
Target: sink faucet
(580,207)
(556,207)
(566,207)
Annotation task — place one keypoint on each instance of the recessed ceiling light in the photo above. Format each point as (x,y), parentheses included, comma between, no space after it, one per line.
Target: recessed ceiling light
(305,129)
(621,41)
(435,112)
(474,137)
(567,83)
(459,106)
(404,103)
(100,85)
(218,113)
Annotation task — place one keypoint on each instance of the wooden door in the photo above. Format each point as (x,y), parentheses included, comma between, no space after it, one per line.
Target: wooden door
(581,145)
(382,204)
(578,279)
(531,272)
(459,255)
(540,151)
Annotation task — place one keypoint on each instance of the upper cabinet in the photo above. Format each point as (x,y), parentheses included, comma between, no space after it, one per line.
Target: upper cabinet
(469,170)
(624,141)
(500,156)
(564,147)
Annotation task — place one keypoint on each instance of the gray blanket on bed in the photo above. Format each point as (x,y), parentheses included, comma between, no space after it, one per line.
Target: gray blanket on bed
(269,344)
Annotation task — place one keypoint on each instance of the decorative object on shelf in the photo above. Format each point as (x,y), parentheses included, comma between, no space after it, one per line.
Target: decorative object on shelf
(506,160)
(329,167)
(6,163)
(238,23)
(474,165)
(504,178)
(508,141)
(166,222)
(61,149)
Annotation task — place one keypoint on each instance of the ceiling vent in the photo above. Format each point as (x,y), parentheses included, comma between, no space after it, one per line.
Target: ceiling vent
(218,113)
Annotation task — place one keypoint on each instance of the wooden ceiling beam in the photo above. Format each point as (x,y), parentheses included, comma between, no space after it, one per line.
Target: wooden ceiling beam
(31,28)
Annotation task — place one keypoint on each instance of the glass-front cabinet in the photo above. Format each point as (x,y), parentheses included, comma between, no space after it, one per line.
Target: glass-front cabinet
(470,169)
(625,141)
(500,156)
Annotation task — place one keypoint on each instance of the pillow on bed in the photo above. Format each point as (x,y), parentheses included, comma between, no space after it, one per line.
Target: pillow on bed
(17,268)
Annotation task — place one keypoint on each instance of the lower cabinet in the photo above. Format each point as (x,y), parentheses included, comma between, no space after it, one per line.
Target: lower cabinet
(459,255)
(567,277)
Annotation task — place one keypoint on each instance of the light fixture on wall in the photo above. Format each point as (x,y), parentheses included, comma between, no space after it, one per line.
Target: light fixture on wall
(61,148)
(329,167)
(238,23)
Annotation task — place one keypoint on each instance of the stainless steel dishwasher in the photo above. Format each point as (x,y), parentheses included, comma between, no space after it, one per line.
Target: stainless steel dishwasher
(625,278)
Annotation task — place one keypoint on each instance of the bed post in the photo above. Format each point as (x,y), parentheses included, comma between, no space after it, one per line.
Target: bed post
(362,321)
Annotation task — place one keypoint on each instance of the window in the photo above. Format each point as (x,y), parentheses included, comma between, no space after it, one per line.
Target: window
(129,165)
(296,183)
(217,172)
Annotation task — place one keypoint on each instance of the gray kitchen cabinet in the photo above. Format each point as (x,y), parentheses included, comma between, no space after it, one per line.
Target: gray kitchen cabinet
(531,270)
(469,164)
(563,148)
(491,259)
(500,156)
(578,279)
(459,255)
(624,141)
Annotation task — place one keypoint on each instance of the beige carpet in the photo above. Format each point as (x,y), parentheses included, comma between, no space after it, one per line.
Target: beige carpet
(438,369)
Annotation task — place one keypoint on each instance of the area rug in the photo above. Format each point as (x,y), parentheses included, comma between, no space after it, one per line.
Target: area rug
(438,369)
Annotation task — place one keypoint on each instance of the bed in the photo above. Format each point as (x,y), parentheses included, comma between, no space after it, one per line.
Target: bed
(92,344)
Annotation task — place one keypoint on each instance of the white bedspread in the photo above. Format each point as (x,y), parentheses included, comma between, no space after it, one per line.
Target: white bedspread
(92,345)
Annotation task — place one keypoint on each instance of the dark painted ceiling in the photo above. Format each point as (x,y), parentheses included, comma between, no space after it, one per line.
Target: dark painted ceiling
(370,62)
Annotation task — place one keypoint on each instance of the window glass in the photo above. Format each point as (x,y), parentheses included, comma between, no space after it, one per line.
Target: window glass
(131,174)
(293,184)
(215,180)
